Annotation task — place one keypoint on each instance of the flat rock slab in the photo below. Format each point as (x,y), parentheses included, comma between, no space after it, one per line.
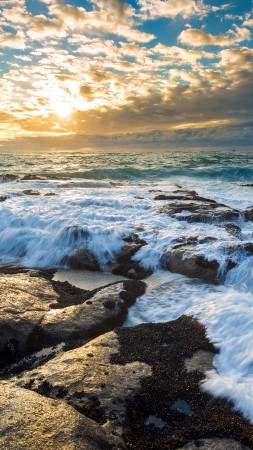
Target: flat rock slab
(29,421)
(198,209)
(32,316)
(142,385)
(24,300)
(99,314)
(86,379)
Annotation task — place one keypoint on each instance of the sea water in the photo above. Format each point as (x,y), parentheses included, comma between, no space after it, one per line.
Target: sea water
(97,199)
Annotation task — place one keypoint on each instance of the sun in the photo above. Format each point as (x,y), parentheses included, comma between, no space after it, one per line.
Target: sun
(61,108)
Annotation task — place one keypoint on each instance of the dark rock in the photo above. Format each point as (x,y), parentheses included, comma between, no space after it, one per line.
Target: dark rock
(214,444)
(167,348)
(132,270)
(124,265)
(83,259)
(202,209)
(4,197)
(242,247)
(233,229)
(29,177)
(8,177)
(191,241)
(194,266)
(50,194)
(31,192)
(169,197)
(248,215)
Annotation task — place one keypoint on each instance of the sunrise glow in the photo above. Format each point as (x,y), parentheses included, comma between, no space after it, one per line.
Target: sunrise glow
(123,68)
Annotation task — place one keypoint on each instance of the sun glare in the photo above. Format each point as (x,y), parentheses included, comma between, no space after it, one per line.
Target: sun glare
(61,108)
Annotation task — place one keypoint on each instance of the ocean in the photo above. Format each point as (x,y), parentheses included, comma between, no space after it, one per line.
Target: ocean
(50,203)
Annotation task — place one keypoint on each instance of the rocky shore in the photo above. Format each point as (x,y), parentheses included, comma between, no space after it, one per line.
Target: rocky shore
(73,378)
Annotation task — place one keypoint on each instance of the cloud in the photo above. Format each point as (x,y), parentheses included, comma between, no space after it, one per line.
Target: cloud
(109,16)
(248,22)
(200,38)
(180,56)
(10,40)
(232,59)
(153,9)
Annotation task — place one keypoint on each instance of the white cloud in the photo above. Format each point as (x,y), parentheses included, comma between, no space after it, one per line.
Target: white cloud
(15,41)
(200,38)
(152,9)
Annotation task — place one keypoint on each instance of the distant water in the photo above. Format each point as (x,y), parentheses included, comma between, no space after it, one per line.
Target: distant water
(98,199)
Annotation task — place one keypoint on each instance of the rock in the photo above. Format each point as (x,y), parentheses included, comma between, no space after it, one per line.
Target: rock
(83,259)
(50,194)
(139,228)
(32,315)
(8,177)
(241,247)
(214,444)
(30,421)
(88,319)
(166,348)
(24,301)
(132,270)
(31,192)
(124,265)
(86,379)
(201,360)
(194,266)
(29,177)
(248,214)
(3,198)
(201,209)
(233,229)
(143,386)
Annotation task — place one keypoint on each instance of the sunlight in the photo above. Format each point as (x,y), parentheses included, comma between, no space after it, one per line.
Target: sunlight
(62,108)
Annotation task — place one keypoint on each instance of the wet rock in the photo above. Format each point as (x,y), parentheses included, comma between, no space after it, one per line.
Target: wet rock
(8,177)
(3,198)
(32,315)
(29,177)
(233,229)
(30,421)
(214,444)
(197,415)
(124,265)
(189,206)
(241,247)
(201,360)
(248,214)
(83,259)
(132,270)
(24,301)
(191,241)
(31,192)
(86,379)
(193,266)
(88,319)
(50,194)
(143,386)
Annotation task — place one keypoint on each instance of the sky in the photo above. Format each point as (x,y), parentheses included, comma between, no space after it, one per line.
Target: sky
(125,74)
